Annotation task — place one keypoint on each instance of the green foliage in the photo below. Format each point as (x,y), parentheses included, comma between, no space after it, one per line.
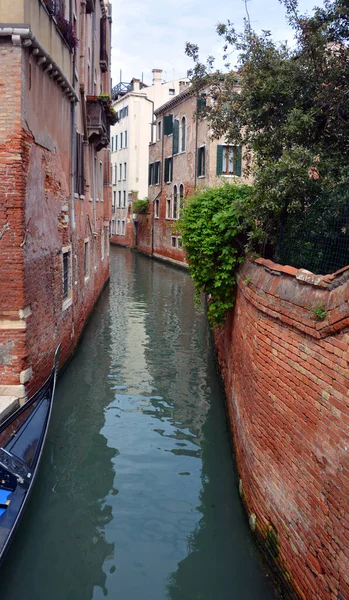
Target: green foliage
(213,228)
(319,311)
(289,108)
(140,207)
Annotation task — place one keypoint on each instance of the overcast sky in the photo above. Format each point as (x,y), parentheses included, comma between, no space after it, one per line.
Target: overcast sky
(150,34)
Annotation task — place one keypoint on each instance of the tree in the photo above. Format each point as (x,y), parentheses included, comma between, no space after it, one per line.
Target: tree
(289,108)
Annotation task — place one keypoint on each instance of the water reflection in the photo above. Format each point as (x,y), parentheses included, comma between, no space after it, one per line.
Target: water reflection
(60,548)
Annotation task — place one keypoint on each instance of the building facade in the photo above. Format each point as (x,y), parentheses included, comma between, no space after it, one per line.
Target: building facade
(130,137)
(55,186)
(182,159)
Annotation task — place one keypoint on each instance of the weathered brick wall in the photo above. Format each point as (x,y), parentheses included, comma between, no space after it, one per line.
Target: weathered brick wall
(12,342)
(286,377)
(36,221)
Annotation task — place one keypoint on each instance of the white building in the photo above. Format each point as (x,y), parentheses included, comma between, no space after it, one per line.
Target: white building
(129,143)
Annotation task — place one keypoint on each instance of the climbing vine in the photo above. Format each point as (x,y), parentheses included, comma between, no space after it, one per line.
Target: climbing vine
(213,229)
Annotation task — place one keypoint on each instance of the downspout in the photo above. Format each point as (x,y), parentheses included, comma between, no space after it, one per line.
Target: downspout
(196,140)
(153,212)
(73,137)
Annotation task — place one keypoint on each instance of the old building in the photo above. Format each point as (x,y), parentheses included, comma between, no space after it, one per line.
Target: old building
(55,199)
(130,137)
(182,159)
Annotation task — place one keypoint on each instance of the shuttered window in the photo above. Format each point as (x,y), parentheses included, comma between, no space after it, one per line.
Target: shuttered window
(175,139)
(229,160)
(202,161)
(168,170)
(79,179)
(168,124)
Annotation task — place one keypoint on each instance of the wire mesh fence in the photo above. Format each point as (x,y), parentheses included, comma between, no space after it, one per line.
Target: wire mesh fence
(316,240)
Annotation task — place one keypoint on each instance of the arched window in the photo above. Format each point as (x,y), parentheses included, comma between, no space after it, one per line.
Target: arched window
(183,133)
(181,198)
(174,207)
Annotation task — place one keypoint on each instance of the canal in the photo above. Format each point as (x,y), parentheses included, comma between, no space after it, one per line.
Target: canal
(137,495)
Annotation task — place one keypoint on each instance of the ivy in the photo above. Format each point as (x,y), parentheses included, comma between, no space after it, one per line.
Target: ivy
(140,207)
(213,229)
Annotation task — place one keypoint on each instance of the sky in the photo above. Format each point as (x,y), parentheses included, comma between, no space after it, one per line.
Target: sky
(151,34)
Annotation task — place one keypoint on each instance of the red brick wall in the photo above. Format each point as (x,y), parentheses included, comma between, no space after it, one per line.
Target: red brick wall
(286,379)
(36,222)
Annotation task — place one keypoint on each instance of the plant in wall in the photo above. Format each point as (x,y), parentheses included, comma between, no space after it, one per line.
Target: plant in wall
(319,310)
(140,207)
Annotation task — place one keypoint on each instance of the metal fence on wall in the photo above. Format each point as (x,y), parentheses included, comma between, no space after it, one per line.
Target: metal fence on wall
(316,240)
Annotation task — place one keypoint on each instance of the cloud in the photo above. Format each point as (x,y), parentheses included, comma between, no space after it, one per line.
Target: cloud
(149,35)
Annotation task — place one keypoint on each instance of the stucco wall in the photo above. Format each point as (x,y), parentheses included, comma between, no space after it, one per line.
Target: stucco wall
(286,377)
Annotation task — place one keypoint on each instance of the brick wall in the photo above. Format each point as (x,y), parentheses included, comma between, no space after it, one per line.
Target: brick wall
(286,378)
(36,221)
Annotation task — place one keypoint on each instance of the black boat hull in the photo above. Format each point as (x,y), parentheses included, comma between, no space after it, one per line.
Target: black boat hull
(22,438)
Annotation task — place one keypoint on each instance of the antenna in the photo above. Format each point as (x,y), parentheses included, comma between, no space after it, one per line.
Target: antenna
(120,76)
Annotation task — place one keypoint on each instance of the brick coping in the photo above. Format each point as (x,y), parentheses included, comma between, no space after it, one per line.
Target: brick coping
(302,275)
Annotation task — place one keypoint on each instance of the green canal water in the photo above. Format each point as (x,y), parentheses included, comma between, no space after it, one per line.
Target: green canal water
(137,497)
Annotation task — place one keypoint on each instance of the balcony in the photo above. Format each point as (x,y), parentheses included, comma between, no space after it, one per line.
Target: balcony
(98,127)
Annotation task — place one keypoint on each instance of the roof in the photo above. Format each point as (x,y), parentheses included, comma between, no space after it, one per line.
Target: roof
(174,101)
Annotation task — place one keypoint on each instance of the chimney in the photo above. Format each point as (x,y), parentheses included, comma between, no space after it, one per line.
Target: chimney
(157,76)
(182,86)
(136,85)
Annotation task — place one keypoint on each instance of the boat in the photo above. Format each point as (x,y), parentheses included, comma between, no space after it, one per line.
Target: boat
(22,438)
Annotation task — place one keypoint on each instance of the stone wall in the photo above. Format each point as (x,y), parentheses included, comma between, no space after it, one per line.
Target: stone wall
(286,377)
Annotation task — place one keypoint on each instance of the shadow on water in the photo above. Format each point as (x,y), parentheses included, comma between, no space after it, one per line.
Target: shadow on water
(137,496)
(60,547)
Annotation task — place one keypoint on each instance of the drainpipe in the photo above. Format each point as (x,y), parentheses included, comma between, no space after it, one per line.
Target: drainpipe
(156,197)
(73,140)
(196,141)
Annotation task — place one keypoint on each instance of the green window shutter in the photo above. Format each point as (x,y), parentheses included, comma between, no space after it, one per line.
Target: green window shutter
(237,161)
(166,170)
(150,177)
(199,161)
(219,159)
(201,102)
(168,124)
(175,140)
(204,161)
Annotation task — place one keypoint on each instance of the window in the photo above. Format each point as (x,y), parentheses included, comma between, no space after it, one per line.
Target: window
(102,244)
(173,241)
(79,179)
(101,191)
(159,130)
(118,227)
(229,160)
(121,136)
(123,113)
(124,199)
(168,170)
(119,203)
(115,173)
(66,277)
(175,139)
(120,171)
(156,209)
(125,139)
(175,206)
(171,91)
(179,242)
(154,173)
(87,258)
(183,134)
(112,143)
(157,173)
(123,224)
(125,169)
(116,143)
(168,208)
(106,237)
(181,198)
(114,202)
(202,161)
(95,187)
(168,124)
